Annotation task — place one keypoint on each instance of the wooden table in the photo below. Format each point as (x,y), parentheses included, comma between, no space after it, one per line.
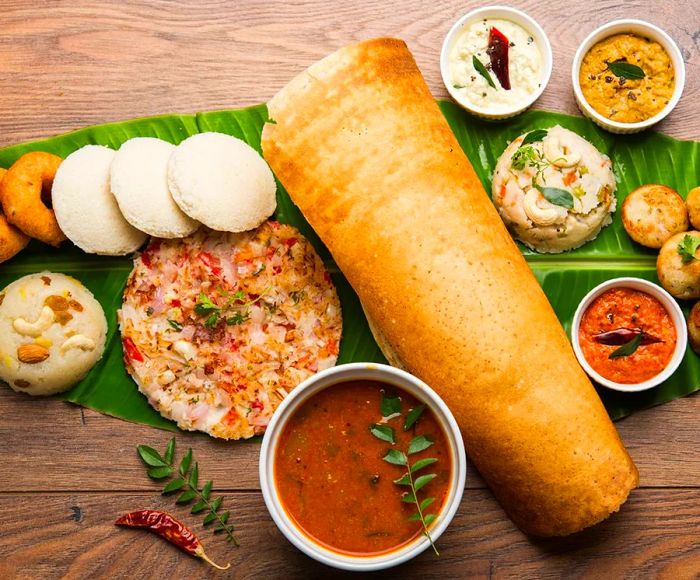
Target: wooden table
(66,473)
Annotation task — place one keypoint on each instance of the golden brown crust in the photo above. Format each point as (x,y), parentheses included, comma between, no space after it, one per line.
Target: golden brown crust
(652,213)
(12,241)
(20,195)
(693,203)
(366,154)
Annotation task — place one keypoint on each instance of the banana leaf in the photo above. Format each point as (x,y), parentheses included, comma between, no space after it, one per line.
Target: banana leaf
(638,159)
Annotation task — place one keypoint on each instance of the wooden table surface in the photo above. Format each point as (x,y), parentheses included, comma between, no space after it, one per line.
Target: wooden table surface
(68,472)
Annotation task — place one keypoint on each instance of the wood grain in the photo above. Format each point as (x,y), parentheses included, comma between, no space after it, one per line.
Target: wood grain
(67,472)
(72,534)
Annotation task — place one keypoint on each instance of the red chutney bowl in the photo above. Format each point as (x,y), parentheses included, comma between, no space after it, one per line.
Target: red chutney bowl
(607,318)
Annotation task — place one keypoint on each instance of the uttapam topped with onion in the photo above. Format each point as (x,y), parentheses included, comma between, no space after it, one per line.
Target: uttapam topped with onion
(218,328)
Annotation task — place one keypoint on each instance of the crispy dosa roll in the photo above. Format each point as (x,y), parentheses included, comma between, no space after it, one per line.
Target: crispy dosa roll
(364,151)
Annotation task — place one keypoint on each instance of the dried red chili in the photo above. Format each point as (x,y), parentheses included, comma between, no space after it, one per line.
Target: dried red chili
(131,350)
(166,526)
(498,54)
(621,336)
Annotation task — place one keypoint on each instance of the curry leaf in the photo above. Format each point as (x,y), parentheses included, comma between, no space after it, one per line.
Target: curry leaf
(200,506)
(209,518)
(383,432)
(534,136)
(426,502)
(421,463)
(418,444)
(174,485)
(396,457)
(627,349)
(150,456)
(423,480)
(170,451)
(194,476)
(159,472)
(429,519)
(390,406)
(186,496)
(404,480)
(408,497)
(185,463)
(557,196)
(413,416)
(206,490)
(623,69)
(481,69)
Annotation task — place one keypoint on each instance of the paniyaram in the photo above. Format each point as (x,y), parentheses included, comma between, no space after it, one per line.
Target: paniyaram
(217,328)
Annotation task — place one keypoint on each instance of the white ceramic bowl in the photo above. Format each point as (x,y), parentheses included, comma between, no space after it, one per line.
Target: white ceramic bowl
(353,372)
(676,316)
(640,28)
(505,13)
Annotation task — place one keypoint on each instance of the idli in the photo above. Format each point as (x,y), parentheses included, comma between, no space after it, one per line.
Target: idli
(222,182)
(85,207)
(52,332)
(139,182)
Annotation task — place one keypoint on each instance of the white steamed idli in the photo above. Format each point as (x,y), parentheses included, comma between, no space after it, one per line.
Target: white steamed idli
(139,181)
(52,332)
(85,207)
(222,182)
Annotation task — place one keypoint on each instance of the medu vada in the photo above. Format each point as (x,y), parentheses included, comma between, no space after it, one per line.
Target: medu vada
(21,196)
(12,241)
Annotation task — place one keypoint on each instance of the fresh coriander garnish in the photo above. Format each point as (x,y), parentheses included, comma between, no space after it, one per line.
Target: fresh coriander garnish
(391,408)
(687,248)
(187,479)
(481,69)
(625,70)
(235,310)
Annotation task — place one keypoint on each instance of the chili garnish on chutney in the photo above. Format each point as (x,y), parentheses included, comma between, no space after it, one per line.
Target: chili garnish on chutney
(618,317)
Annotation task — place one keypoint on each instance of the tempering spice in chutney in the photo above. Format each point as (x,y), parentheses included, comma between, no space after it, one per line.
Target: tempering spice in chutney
(333,481)
(627,100)
(629,312)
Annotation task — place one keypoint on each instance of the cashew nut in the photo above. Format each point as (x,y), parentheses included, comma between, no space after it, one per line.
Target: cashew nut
(559,154)
(540,211)
(78,341)
(34,329)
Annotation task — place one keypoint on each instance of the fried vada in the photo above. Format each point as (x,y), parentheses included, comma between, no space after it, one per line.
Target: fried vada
(12,241)
(21,194)
(652,213)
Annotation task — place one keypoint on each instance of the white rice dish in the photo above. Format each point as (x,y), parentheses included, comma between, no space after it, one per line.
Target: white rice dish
(139,182)
(217,328)
(86,210)
(554,194)
(222,182)
(52,332)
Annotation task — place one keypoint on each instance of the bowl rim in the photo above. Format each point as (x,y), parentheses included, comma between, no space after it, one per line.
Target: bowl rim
(666,300)
(605,31)
(522,19)
(318,382)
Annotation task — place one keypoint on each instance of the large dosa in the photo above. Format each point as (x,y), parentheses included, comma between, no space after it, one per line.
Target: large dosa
(363,150)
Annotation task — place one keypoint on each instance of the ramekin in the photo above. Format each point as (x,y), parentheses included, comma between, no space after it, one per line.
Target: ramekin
(504,13)
(353,372)
(676,316)
(641,28)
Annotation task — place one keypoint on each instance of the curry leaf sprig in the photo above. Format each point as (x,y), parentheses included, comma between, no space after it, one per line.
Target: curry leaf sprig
(391,408)
(187,481)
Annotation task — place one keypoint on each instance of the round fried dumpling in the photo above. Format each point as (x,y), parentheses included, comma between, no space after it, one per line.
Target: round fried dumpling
(652,213)
(678,265)
(52,332)
(694,327)
(554,193)
(693,204)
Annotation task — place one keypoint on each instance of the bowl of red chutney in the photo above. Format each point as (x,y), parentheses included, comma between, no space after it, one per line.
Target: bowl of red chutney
(629,334)
(362,467)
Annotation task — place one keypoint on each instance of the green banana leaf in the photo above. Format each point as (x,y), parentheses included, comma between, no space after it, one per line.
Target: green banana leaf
(638,159)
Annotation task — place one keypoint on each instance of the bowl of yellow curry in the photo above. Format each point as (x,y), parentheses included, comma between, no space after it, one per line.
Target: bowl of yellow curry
(627,76)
